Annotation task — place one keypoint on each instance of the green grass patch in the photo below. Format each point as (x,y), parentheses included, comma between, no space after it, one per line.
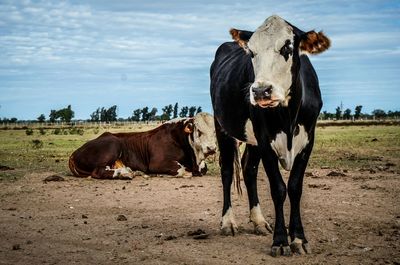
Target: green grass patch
(346,147)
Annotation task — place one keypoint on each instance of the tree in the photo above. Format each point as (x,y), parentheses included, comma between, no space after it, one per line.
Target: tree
(175,111)
(41,118)
(136,115)
(111,113)
(378,113)
(199,110)
(167,111)
(184,112)
(338,114)
(347,114)
(104,114)
(152,114)
(357,112)
(95,116)
(53,115)
(145,114)
(192,110)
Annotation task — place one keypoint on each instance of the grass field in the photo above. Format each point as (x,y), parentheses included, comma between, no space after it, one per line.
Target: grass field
(347,147)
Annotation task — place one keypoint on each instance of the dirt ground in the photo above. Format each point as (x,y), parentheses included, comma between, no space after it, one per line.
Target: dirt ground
(349,218)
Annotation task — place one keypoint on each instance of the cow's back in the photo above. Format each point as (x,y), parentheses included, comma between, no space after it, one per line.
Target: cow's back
(230,74)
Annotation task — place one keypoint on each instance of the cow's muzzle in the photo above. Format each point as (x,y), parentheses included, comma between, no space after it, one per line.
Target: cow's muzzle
(210,151)
(263,96)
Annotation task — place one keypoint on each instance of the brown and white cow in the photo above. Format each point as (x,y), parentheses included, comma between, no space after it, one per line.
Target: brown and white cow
(173,148)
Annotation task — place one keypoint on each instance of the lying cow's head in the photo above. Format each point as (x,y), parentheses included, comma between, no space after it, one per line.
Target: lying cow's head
(275,47)
(202,136)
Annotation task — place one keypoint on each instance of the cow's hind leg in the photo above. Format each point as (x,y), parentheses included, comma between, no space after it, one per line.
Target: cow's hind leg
(227,147)
(299,243)
(250,161)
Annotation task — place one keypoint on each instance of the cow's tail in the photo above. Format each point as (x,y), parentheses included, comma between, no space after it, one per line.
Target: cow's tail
(75,170)
(237,168)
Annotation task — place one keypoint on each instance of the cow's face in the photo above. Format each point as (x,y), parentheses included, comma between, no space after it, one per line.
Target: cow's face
(202,131)
(275,47)
(202,137)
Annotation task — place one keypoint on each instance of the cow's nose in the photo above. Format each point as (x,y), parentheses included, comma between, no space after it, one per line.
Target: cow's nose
(262,92)
(211,150)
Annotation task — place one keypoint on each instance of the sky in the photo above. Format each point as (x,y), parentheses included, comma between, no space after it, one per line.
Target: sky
(134,53)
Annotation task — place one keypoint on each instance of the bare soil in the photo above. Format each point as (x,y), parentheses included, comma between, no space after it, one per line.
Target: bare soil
(349,218)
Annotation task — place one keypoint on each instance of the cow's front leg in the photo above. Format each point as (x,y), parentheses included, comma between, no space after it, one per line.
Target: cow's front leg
(299,244)
(227,147)
(280,245)
(250,162)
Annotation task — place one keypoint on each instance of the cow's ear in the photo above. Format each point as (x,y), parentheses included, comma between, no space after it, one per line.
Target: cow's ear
(314,43)
(241,37)
(189,126)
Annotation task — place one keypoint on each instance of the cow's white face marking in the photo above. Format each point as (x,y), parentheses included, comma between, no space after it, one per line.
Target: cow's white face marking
(250,137)
(271,68)
(279,145)
(204,139)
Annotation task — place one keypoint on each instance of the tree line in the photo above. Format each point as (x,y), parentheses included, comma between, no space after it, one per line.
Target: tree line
(103,114)
(347,114)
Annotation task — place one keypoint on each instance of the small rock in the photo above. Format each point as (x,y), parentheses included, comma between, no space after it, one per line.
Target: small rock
(170,238)
(16,247)
(202,236)
(54,178)
(122,217)
(29,242)
(336,174)
(84,216)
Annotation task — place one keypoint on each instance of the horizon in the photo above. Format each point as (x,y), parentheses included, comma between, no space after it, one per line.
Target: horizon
(91,54)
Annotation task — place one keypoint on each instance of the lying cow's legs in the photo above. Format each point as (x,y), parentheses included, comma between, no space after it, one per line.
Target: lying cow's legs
(227,147)
(280,245)
(117,171)
(250,162)
(299,242)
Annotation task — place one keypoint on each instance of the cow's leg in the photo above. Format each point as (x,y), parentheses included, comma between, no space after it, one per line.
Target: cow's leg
(102,173)
(117,171)
(299,242)
(227,147)
(250,161)
(280,245)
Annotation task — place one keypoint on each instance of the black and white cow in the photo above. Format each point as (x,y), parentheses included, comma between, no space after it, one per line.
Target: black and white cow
(265,93)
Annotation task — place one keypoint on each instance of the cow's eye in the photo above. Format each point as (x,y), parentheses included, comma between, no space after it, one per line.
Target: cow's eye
(199,133)
(286,50)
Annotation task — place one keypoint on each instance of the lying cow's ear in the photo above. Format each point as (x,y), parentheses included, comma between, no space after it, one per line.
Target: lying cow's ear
(189,127)
(314,43)
(241,37)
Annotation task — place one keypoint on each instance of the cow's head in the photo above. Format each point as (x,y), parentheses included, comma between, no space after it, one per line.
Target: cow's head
(275,48)
(202,137)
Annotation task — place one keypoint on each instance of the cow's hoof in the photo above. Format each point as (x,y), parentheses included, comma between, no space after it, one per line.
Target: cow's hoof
(229,230)
(263,229)
(277,251)
(298,247)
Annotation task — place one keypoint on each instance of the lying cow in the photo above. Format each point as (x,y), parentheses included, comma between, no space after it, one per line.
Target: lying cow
(172,148)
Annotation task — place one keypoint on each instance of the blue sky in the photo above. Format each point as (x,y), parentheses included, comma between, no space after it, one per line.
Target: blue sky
(137,53)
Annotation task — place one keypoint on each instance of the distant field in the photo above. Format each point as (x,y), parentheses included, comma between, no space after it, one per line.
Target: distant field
(345,147)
